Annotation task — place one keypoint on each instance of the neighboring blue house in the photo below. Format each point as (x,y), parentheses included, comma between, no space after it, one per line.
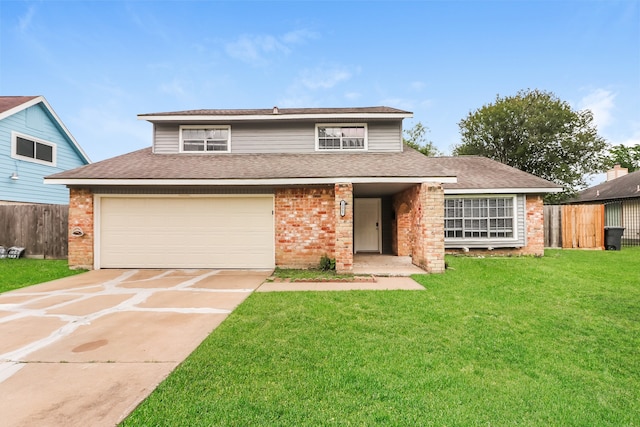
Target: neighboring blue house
(34,143)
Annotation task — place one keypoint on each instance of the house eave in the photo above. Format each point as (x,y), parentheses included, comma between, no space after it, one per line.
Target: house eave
(538,190)
(243,182)
(269,117)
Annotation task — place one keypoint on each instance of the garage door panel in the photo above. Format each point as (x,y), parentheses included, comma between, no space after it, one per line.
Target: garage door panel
(217,232)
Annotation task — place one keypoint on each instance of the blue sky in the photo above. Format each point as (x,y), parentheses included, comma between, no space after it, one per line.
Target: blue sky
(100,63)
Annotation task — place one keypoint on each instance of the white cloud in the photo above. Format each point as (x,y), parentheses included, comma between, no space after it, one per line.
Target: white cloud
(104,131)
(352,96)
(417,86)
(323,77)
(174,87)
(256,49)
(601,104)
(24,22)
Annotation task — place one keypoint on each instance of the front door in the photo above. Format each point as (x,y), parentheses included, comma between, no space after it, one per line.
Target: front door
(367,226)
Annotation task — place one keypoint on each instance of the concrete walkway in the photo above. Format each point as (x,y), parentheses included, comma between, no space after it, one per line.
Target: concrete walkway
(87,349)
(380,284)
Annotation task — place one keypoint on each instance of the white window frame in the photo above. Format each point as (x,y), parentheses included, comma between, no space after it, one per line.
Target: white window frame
(342,125)
(15,155)
(488,238)
(225,127)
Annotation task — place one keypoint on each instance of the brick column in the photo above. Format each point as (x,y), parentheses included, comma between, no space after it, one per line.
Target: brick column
(432,227)
(80,252)
(535,225)
(344,228)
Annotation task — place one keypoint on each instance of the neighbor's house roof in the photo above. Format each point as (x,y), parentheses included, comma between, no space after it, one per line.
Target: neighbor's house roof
(624,187)
(478,174)
(278,114)
(143,167)
(10,105)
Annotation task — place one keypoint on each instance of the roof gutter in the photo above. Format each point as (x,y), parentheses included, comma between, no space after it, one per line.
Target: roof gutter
(533,190)
(241,182)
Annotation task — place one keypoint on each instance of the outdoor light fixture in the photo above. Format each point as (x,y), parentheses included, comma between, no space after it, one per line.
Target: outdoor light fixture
(343,208)
(14,176)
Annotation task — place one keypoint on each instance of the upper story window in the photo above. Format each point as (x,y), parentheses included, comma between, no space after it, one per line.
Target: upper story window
(341,137)
(32,149)
(205,139)
(479,218)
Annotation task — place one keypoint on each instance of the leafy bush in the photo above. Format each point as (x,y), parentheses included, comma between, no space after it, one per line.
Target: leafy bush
(327,264)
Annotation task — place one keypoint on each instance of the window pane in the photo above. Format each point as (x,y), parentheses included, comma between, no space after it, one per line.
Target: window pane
(193,146)
(25,147)
(44,152)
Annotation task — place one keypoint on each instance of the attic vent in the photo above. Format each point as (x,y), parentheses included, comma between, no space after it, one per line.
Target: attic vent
(275,110)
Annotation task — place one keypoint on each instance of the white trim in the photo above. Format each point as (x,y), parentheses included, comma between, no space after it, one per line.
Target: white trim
(257,182)
(261,117)
(488,241)
(341,125)
(36,101)
(97,210)
(480,191)
(214,126)
(16,156)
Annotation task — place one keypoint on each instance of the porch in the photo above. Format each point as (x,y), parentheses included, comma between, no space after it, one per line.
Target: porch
(384,265)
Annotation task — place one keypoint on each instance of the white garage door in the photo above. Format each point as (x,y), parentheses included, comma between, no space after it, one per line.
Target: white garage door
(186,232)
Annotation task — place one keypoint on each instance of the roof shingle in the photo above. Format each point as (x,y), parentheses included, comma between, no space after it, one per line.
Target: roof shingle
(476,172)
(143,164)
(624,187)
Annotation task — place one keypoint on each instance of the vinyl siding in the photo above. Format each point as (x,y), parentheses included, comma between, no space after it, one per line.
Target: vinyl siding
(519,241)
(36,122)
(281,137)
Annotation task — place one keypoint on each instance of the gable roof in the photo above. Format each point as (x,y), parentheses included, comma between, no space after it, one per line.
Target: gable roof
(624,187)
(10,105)
(143,167)
(276,113)
(477,174)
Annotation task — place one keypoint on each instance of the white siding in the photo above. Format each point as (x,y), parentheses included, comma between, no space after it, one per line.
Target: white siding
(385,136)
(280,137)
(167,138)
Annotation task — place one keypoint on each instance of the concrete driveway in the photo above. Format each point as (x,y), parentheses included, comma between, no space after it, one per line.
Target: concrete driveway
(87,349)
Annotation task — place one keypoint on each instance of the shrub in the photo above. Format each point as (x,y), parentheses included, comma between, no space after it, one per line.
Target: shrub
(327,264)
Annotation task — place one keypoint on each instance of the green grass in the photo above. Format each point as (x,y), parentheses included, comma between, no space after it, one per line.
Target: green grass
(18,273)
(493,342)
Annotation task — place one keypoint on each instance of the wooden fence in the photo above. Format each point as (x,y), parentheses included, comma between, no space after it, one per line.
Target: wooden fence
(574,226)
(40,229)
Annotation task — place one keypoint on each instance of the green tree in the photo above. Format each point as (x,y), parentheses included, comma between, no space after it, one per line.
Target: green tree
(626,157)
(538,133)
(416,138)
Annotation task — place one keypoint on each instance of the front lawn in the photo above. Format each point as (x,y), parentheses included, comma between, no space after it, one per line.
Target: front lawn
(494,341)
(18,273)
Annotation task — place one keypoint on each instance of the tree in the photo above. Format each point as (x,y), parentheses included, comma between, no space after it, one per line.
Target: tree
(416,138)
(538,133)
(626,157)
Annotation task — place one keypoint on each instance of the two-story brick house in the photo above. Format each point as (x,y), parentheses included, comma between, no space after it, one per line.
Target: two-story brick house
(265,188)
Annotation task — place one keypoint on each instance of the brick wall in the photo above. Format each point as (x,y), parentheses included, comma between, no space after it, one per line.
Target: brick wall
(534,224)
(344,228)
(81,215)
(419,229)
(305,226)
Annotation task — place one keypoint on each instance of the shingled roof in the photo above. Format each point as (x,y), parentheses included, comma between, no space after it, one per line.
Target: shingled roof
(143,164)
(624,187)
(9,102)
(480,173)
(275,111)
